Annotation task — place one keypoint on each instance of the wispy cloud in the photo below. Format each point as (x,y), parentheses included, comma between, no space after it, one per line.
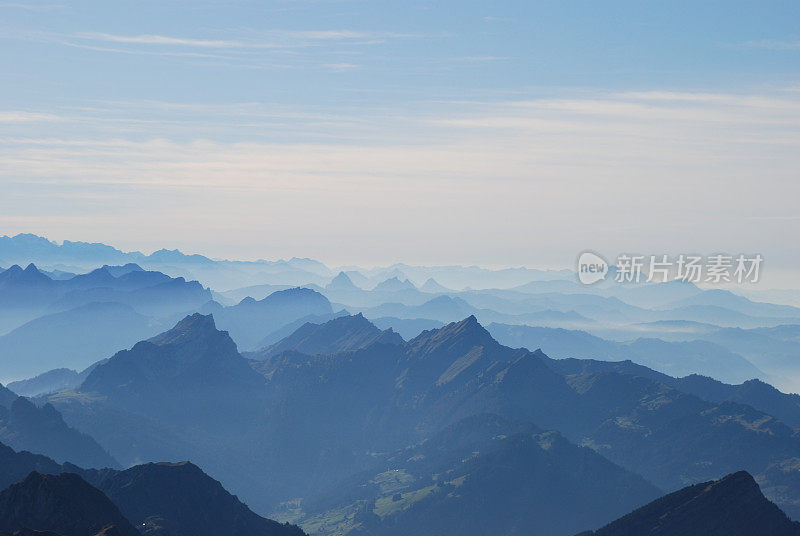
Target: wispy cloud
(485,176)
(276,39)
(149,39)
(340,67)
(31,6)
(116,50)
(773,44)
(16,116)
(339,35)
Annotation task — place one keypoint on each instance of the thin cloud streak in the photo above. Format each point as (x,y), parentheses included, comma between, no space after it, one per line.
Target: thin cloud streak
(773,44)
(280,39)
(148,39)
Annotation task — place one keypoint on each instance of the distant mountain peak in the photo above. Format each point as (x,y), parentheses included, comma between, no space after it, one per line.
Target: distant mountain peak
(342,334)
(118,271)
(394,284)
(341,282)
(432,286)
(30,275)
(293,292)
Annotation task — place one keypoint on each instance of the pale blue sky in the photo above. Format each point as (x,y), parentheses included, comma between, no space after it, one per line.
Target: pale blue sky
(495,133)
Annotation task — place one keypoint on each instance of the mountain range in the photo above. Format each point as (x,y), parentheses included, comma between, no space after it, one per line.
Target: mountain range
(576,405)
(307,422)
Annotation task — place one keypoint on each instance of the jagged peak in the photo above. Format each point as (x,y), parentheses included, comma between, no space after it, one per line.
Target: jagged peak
(431,285)
(468,332)
(192,327)
(30,273)
(445,299)
(341,281)
(395,283)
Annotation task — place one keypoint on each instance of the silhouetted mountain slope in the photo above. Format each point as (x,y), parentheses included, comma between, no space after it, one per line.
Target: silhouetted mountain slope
(14,466)
(23,295)
(178,499)
(161,298)
(486,475)
(30,246)
(342,334)
(734,302)
(6,397)
(443,308)
(284,331)
(42,430)
(433,287)
(48,382)
(731,506)
(124,269)
(772,349)
(175,499)
(394,284)
(94,309)
(452,353)
(186,393)
(314,420)
(64,504)
(341,283)
(755,393)
(151,292)
(673,358)
(74,339)
(251,320)
(407,328)
(190,370)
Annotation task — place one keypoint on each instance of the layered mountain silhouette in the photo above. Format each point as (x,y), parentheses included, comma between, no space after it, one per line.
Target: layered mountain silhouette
(49,382)
(175,499)
(407,328)
(251,320)
(6,397)
(303,422)
(47,324)
(189,370)
(731,506)
(25,426)
(676,358)
(754,393)
(77,338)
(342,334)
(342,283)
(150,292)
(483,475)
(60,504)
(394,284)
(431,286)
(179,499)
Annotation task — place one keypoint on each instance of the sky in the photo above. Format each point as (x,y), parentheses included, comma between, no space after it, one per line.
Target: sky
(368,132)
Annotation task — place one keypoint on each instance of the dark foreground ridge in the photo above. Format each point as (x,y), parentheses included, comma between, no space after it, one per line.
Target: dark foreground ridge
(731,506)
(63,504)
